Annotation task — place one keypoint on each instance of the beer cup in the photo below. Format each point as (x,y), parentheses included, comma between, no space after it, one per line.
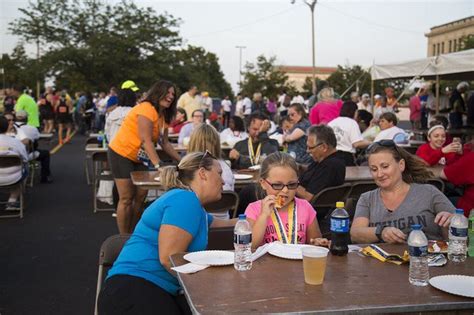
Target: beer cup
(314,264)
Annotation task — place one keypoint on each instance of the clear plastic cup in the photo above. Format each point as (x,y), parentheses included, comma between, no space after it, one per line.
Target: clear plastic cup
(314,264)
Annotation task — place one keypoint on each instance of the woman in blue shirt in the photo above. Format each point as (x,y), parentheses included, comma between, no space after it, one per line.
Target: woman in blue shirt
(141,280)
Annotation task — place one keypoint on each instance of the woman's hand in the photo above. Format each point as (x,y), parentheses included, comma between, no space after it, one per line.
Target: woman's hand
(453,147)
(443,218)
(320,242)
(393,235)
(268,204)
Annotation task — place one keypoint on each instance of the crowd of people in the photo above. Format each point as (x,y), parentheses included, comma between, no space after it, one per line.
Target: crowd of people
(298,146)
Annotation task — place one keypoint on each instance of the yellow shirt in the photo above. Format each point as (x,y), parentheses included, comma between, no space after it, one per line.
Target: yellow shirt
(189,104)
(127,141)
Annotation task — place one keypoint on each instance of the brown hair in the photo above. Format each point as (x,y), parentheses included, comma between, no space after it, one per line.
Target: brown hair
(415,168)
(182,175)
(273,160)
(205,138)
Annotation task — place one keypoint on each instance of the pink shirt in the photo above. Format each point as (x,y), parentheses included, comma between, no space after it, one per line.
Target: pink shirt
(323,112)
(305,216)
(415,108)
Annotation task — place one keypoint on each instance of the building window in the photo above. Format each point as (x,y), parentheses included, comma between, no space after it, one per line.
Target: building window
(437,49)
(434,50)
(460,43)
(455,48)
(450,45)
(442,47)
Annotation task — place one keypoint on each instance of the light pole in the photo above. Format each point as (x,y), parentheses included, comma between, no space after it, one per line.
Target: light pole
(240,63)
(311,4)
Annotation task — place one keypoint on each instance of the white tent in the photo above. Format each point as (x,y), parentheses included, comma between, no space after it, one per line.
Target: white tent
(458,65)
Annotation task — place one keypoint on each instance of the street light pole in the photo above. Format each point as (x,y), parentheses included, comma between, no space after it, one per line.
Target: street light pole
(240,63)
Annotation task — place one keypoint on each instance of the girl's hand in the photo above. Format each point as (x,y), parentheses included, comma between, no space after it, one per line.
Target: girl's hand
(451,148)
(320,242)
(393,235)
(443,219)
(268,204)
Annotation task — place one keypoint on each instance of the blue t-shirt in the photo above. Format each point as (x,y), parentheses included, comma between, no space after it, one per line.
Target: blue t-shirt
(113,100)
(139,256)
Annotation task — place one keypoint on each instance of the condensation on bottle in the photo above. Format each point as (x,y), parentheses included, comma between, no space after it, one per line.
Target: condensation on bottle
(457,247)
(242,244)
(418,248)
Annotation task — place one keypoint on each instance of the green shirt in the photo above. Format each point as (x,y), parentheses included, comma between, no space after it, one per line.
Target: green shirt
(28,104)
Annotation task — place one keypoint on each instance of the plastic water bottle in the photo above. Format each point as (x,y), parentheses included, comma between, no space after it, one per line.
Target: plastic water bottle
(104,141)
(339,230)
(418,247)
(100,137)
(242,244)
(457,246)
(470,249)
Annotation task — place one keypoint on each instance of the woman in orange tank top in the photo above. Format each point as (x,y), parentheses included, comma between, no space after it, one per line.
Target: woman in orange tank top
(134,148)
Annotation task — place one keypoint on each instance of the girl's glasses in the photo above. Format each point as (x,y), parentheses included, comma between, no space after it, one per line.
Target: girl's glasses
(278,186)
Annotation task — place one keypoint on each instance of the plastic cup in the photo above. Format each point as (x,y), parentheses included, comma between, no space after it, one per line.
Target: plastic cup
(314,264)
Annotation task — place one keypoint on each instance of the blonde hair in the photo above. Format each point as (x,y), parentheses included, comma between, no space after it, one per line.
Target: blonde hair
(182,175)
(205,138)
(327,94)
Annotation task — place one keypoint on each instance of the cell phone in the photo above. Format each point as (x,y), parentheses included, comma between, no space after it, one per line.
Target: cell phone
(457,139)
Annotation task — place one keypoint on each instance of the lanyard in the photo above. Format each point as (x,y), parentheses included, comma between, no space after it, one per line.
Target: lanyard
(291,238)
(254,156)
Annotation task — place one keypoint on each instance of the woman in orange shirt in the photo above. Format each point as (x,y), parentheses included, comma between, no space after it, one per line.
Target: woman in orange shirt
(134,148)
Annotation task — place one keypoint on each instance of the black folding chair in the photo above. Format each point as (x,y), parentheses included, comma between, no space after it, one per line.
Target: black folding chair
(358,188)
(228,202)
(221,238)
(8,161)
(99,172)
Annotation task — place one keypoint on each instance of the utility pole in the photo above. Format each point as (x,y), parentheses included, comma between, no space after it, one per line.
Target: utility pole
(37,69)
(240,63)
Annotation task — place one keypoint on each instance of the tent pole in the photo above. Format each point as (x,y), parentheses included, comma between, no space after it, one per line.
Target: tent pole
(372,90)
(437,94)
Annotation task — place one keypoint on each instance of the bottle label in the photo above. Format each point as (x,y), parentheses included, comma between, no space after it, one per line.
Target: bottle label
(242,239)
(340,225)
(418,251)
(458,232)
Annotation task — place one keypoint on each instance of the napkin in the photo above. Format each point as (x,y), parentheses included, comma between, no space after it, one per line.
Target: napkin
(189,268)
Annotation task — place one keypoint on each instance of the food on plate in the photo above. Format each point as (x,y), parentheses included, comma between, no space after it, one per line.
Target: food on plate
(437,247)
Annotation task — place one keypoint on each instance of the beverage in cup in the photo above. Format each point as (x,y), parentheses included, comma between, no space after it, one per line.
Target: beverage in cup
(314,264)
(458,141)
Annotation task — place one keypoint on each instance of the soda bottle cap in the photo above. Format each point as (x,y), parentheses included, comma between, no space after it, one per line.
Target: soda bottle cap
(416,227)
(340,204)
(242,217)
(459,211)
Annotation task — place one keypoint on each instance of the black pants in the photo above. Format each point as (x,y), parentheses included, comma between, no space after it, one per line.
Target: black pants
(226,119)
(124,294)
(43,158)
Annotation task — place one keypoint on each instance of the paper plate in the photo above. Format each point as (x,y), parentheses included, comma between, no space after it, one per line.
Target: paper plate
(255,167)
(243,176)
(211,257)
(288,251)
(454,284)
(157,178)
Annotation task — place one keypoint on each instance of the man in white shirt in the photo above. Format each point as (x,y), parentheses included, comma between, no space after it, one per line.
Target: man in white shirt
(189,102)
(239,106)
(365,103)
(10,146)
(206,103)
(226,106)
(247,105)
(389,130)
(197,118)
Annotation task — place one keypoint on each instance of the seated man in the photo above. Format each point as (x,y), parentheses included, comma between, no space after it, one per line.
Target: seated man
(185,132)
(327,170)
(248,152)
(29,135)
(10,146)
(388,127)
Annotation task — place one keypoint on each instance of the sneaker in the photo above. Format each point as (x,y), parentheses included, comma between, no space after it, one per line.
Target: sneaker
(13,206)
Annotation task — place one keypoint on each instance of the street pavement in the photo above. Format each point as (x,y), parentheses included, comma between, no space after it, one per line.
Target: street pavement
(48,259)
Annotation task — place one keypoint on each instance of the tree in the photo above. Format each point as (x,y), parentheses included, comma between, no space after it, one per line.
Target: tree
(346,76)
(467,42)
(264,77)
(19,68)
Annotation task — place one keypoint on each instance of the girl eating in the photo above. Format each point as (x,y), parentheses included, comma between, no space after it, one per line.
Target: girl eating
(280,216)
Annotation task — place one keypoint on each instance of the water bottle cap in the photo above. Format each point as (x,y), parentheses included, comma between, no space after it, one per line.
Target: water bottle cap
(242,217)
(459,211)
(340,204)
(416,227)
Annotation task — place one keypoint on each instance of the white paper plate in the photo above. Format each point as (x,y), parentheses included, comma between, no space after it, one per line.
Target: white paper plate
(243,176)
(211,257)
(255,167)
(288,251)
(157,178)
(454,284)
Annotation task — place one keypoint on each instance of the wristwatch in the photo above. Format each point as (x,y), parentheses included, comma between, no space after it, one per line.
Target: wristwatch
(378,232)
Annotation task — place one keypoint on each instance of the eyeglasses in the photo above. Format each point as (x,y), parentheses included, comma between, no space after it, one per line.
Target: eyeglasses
(308,148)
(205,155)
(382,143)
(278,186)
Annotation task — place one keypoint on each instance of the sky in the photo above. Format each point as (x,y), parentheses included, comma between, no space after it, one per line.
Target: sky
(347,32)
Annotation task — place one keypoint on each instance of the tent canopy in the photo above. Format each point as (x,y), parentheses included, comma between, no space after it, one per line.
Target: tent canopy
(458,65)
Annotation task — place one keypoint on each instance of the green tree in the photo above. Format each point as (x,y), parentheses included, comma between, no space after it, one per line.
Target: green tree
(264,77)
(19,68)
(345,76)
(467,42)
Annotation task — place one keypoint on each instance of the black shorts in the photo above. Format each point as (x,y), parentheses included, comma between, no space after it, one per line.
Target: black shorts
(124,294)
(64,118)
(122,167)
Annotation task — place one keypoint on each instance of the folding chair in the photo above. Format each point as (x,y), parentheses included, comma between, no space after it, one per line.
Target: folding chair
(221,238)
(438,183)
(358,188)
(229,201)
(325,201)
(7,162)
(88,159)
(98,161)
(109,252)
